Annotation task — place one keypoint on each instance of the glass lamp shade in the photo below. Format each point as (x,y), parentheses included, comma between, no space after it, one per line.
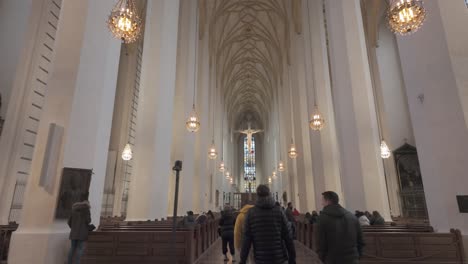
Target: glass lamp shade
(269,179)
(231,181)
(222,166)
(228,175)
(292,153)
(127,153)
(316,122)
(124,21)
(406,16)
(385,152)
(273,175)
(193,122)
(212,154)
(281,166)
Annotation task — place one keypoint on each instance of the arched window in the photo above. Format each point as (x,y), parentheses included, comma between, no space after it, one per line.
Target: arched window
(250,179)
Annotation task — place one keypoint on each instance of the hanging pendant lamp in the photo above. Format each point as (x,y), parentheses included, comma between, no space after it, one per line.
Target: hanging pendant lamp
(212,154)
(385,152)
(127,152)
(317,121)
(124,21)
(222,166)
(281,166)
(292,153)
(405,17)
(193,122)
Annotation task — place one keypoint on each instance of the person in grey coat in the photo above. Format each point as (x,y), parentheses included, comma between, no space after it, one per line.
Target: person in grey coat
(79,224)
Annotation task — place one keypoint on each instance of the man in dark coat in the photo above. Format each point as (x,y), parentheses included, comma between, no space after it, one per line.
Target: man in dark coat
(79,224)
(339,233)
(226,224)
(266,228)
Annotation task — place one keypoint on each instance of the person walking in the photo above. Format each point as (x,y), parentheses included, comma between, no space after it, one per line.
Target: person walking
(79,223)
(239,227)
(291,220)
(339,233)
(266,229)
(226,224)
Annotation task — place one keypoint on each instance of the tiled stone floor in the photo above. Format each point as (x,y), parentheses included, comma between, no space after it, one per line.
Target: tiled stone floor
(214,256)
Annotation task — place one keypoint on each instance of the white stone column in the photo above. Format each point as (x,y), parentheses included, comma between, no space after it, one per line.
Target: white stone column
(80,98)
(148,195)
(362,172)
(438,119)
(324,145)
(19,55)
(183,144)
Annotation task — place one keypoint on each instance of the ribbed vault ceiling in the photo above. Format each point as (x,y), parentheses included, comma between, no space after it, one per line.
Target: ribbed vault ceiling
(249,40)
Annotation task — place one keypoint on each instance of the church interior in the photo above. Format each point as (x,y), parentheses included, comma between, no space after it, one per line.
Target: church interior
(365,98)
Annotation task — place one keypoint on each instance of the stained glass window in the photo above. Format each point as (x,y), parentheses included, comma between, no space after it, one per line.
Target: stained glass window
(250,180)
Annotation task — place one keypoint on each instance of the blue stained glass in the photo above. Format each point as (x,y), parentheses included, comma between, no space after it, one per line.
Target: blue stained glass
(250,184)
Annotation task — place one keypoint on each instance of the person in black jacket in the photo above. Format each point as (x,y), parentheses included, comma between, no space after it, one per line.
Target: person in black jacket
(226,224)
(79,224)
(266,228)
(339,233)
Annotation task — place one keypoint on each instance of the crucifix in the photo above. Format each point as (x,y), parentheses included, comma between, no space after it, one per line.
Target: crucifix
(249,133)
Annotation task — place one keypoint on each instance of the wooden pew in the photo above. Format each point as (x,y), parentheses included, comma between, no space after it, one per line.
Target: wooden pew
(402,245)
(152,241)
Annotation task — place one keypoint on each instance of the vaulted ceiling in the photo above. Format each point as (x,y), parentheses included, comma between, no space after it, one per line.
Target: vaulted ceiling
(249,44)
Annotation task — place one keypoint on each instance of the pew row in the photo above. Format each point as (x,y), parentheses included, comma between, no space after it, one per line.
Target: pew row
(148,243)
(400,245)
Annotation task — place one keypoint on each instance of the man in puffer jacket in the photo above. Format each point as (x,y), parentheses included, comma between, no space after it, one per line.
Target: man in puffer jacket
(226,224)
(267,229)
(339,233)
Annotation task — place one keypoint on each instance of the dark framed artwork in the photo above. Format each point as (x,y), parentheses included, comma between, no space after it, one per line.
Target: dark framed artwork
(462,201)
(413,199)
(74,187)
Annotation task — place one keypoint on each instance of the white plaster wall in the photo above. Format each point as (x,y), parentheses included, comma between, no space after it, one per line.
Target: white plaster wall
(454,16)
(438,122)
(395,105)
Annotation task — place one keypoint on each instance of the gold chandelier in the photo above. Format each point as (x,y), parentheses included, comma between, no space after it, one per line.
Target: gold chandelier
(212,154)
(193,123)
(317,122)
(281,166)
(406,16)
(124,21)
(222,166)
(385,152)
(127,152)
(292,150)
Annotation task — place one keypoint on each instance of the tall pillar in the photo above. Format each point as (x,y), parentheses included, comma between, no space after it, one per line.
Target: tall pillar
(80,98)
(438,119)
(362,172)
(20,72)
(323,144)
(148,194)
(19,14)
(183,144)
